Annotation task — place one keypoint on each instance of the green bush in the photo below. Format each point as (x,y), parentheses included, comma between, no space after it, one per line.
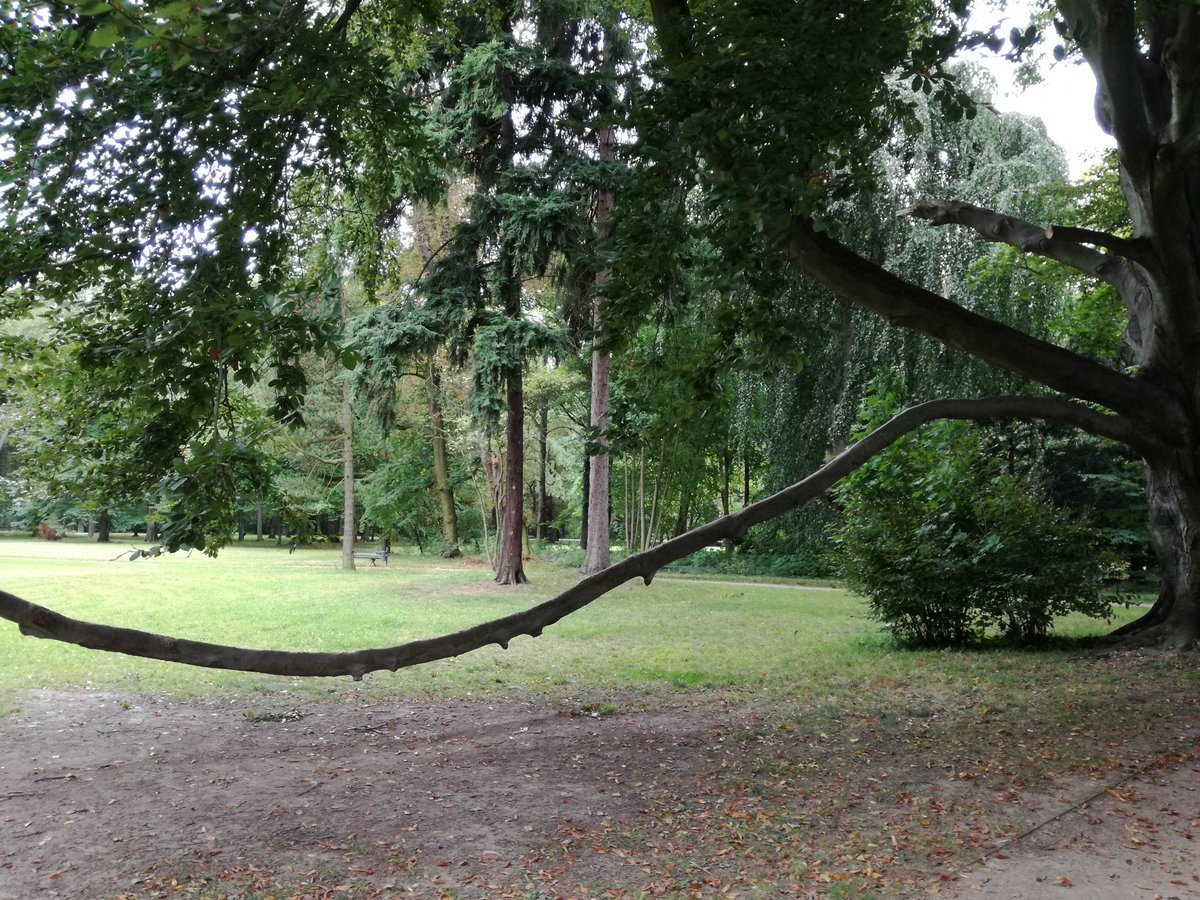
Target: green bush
(715,561)
(948,545)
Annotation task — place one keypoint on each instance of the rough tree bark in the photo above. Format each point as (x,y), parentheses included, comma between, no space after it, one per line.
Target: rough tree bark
(38,621)
(510,568)
(583,514)
(598,544)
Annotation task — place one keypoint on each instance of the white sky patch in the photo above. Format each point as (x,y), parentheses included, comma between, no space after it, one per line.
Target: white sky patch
(1064,100)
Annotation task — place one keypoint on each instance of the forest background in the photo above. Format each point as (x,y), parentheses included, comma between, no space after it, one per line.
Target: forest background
(399,328)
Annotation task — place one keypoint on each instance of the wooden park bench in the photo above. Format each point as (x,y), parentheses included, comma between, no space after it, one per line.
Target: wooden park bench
(372,555)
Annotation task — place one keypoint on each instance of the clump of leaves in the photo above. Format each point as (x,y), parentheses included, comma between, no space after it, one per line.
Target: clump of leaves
(948,543)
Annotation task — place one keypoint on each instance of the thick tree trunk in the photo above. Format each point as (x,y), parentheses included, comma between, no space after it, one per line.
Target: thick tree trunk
(103,527)
(509,566)
(441,468)
(1173,491)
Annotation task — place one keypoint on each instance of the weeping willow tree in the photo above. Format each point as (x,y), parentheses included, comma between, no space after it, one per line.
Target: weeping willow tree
(991,159)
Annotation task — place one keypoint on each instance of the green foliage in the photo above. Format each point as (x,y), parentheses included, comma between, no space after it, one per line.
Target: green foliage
(999,161)
(714,561)
(150,159)
(398,498)
(948,545)
(1106,484)
(1093,319)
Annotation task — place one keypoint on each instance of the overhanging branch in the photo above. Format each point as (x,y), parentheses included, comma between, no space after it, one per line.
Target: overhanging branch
(1134,250)
(1065,245)
(907,305)
(38,621)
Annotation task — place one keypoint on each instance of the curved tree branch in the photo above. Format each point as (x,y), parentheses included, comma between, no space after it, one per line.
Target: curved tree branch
(907,305)
(347,14)
(1064,245)
(38,621)
(865,284)
(1131,249)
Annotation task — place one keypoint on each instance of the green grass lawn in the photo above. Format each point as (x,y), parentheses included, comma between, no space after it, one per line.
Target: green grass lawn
(678,634)
(829,724)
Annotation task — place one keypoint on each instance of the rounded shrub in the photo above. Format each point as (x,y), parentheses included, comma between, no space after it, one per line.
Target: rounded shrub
(947,545)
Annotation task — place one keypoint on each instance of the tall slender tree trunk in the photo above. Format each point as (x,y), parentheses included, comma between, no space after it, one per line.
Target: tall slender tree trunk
(347,414)
(599,541)
(745,472)
(543,451)
(583,508)
(648,537)
(641,500)
(510,568)
(629,498)
(422,224)
(685,502)
(726,477)
(260,515)
(726,489)
(441,467)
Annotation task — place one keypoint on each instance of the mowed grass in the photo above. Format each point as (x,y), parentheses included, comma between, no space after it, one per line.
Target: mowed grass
(743,640)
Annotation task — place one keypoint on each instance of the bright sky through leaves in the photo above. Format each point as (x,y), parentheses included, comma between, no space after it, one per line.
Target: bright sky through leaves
(1063,100)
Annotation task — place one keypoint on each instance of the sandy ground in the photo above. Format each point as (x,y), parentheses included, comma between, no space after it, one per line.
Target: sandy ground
(104,797)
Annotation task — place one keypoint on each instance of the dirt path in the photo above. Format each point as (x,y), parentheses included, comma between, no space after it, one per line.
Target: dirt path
(95,793)
(1136,838)
(104,797)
